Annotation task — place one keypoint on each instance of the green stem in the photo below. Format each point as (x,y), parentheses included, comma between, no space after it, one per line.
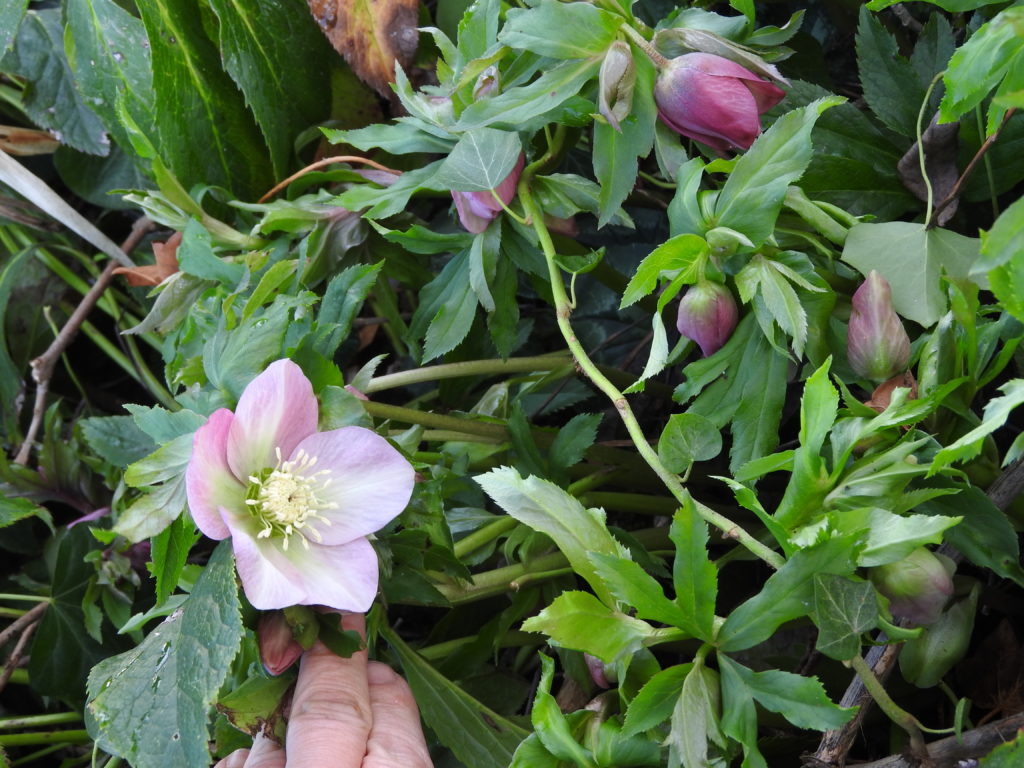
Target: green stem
(468,368)
(642,43)
(37,721)
(631,502)
(562,313)
(435,420)
(31,757)
(592,481)
(19,677)
(920,148)
(24,598)
(482,536)
(893,711)
(665,635)
(11,613)
(509,211)
(44,737)
(511,639)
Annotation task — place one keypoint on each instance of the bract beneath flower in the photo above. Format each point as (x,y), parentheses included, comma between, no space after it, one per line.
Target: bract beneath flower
(298,504)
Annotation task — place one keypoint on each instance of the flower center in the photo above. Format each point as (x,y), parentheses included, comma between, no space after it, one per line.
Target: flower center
(286,499)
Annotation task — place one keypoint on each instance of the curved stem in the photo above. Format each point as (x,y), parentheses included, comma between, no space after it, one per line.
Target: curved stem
(468,368)
(659,61)
(562,313)
(920,148)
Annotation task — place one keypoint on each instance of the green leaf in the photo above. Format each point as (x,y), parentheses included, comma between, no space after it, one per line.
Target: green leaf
(419,239)
(892,537)
(688,438)
(755,425)
(891,87)
(150,705)
(801,700)
(843,610)
(382,202)
(752,197)
(580,621)
(545,507)
(693,719)
(10,376)
(654,703)
(480,161)
(342,300)
(169,551)
(1001,259)
(476,735)
(817,409)
(550,724)
(560,31)
(759,276)
(573,440)
(50,97)
(911,258)
(483,259)
(517,105)
(454,317)
(196,257)
(1007,755)
(694,576)
(953,6)
(996,412)
(162,425)
(111,61)
(788,594)
(638,589)
(258,41)
(739,716)
(659,355)
(206,133)
(11,14)
(117,439)
(15,509)
(616,153)
(402,137)
(681,256)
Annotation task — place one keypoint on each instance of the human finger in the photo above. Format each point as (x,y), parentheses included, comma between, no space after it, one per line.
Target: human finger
(265,753)
(330,714)
(235,760)
(396,737)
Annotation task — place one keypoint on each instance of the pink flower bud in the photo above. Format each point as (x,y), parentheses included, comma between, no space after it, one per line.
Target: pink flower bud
(477,209)
(713,100)
(877,345)
(707,315)
(918,586)
(597,671)
(278,647)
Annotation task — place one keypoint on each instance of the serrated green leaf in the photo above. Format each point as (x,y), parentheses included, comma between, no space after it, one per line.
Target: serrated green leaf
(169,551)
(559,30)
(480,161)
(15,509)
(399,138)
(892,537)
(654,703)
(580,621)
(573,440)
(150,704)
(342,301)
(891,87)
(11,14)
(117,439)
(694,576)
(682,255)
(638,589)
(996,412)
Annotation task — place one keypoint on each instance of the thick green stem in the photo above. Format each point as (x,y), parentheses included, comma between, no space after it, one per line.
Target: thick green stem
(435,420)
(37,721)
(511,639)
(659,61)
(468,368)
(893,711)
(563,310)
(44,737)
(631,502)
(482,536)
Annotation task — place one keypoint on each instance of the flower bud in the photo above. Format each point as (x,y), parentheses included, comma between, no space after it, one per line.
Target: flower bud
(278,647)
(615,83)
(486,83)
(477,209)
(707,315)
(599,673)
(925,660)
(877,345)
(713,100)
(918,586)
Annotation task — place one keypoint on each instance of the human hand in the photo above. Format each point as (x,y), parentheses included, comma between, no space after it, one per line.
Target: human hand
(346,713)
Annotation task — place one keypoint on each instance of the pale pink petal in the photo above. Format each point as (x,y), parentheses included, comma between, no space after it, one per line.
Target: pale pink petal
(276,410)
(474,218)
(370,482)
(209,482)
(342,577)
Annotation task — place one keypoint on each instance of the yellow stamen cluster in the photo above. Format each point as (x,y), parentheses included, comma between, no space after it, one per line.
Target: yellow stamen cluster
(286,499)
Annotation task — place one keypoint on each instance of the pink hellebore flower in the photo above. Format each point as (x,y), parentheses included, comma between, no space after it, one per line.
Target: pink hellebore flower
(877,344)
(713,100)
(298,504)
(477,209)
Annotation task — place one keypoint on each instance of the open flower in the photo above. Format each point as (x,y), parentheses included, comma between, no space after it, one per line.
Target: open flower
(298,504)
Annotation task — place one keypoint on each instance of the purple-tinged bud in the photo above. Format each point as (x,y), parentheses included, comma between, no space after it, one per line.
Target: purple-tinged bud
(477,209)
(597,671)
(707,315)
(278,647)
(918,586)
(486,83)
(615,83)
(713,100)
(877,345)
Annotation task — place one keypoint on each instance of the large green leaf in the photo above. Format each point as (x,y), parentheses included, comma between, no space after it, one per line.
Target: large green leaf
(205,131)
(891,87)
(481,160)
(560,30)
(151,704)
(476,735)
(11,14)
(911,258)
(694,576)
(278,58)
(50,97)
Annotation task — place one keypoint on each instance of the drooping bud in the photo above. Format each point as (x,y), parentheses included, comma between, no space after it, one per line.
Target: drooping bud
(477,209)
(918,586)
(713,100)
(278,647)
(486,83)
(925,660)
(877,345)
(598,671)
(707,315)
(615,83)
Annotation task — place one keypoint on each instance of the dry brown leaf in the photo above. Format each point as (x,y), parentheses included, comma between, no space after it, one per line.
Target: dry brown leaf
(882,395)
(372,35)
(154,274)
(26,141)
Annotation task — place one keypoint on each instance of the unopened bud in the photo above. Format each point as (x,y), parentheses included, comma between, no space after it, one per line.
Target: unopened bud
(486,83)
(278,647)
(877,345)
(707,315)
(918,586)
(598,671)
(615,83)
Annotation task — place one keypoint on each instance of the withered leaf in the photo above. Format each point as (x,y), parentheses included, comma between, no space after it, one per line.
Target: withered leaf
(27,141)
(371,34)
(153,274)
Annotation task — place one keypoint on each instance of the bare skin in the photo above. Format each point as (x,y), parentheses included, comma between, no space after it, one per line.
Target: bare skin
(346,713)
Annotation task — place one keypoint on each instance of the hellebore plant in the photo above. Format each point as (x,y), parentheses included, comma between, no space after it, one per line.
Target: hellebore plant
(713,100)
(298,504)
(478,209)
(877,345)
(707,315)
(918,586)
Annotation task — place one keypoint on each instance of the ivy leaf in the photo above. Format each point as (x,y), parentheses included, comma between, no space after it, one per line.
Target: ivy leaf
(150,705)
(911,258)
(843,609)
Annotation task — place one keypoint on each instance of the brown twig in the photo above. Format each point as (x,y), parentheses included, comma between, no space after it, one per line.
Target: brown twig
(22,621)
(320,164)
(15,658)
(42,366)
(955,191)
